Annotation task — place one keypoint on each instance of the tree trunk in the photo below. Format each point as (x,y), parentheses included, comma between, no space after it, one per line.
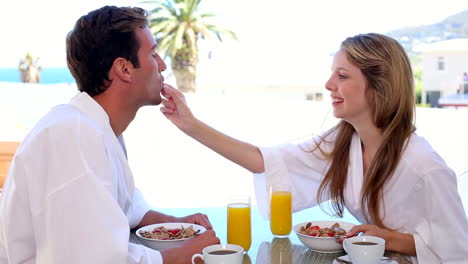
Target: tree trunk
(185,79)
(184,67)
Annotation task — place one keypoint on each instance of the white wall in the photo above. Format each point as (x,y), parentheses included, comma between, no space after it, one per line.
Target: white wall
(448,80)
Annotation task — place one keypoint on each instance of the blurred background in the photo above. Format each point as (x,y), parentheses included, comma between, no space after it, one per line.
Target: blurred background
(263,83)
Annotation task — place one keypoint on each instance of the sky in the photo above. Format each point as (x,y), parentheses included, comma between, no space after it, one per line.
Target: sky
(276,37)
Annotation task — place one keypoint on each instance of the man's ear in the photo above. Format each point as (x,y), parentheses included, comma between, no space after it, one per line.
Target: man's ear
(122,69)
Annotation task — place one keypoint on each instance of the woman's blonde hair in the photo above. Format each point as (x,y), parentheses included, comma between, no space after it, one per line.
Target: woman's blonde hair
(390,95)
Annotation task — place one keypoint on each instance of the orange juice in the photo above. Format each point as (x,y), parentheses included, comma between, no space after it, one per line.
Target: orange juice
(238,225)
(280,213)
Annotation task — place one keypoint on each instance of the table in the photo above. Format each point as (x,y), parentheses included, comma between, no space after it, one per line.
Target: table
(265,248)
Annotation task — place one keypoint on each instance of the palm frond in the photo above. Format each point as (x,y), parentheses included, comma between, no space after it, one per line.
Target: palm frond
(159,20)
(162,26)
(192,6)
(201,29)
(166,46)
(171,29)
(191,38)
(207,15)
(161,8)
(177,24)
(179,36)
(221,31)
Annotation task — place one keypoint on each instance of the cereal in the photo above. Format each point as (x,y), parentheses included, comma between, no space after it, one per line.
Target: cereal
(316,231)
(162,233)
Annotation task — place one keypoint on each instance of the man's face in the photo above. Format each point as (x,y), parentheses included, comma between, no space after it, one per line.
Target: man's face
(147,78)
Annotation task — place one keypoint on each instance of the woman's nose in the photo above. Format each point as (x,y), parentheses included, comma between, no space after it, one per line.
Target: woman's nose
(329,85)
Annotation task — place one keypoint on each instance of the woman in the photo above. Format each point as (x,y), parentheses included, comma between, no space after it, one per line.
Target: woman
(372,162)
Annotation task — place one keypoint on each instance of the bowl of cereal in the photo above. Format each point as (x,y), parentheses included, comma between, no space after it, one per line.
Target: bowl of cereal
(167,235)
(321,236)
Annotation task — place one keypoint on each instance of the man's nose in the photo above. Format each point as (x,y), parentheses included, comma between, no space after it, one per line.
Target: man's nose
(162,65)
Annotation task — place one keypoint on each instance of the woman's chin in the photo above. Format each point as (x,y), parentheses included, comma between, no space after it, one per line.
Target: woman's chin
(337,114)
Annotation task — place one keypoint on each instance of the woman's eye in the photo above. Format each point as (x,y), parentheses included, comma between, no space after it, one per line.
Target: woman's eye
(341,76)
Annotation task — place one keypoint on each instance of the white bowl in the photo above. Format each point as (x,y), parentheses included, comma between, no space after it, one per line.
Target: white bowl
(321,244)
(163,244)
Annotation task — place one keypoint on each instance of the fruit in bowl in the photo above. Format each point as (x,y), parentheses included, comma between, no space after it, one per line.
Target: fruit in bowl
(167,235)
(320,236)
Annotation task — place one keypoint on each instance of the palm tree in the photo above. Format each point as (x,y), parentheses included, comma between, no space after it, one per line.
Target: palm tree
(177,26)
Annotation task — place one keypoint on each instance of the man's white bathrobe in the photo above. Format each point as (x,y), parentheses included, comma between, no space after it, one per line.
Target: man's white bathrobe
(69,195)
(420,199)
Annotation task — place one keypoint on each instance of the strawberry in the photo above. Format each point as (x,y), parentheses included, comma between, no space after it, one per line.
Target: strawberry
(173,231)
(313,228)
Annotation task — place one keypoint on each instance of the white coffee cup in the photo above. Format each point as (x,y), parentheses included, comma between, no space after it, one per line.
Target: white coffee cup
(219,254)
(364,249)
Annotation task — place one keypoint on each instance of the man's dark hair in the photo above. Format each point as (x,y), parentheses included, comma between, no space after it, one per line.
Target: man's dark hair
(99,38)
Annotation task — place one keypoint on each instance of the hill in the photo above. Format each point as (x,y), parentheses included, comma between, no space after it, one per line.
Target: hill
(455,26)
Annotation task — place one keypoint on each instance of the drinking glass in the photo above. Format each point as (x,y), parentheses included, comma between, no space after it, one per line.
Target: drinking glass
(280,210)
(238,222)
(281,251)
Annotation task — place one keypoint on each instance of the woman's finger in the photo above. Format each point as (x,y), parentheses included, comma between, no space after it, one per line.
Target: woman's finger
(168,104)
(356,229)
(175,94)
(166,110)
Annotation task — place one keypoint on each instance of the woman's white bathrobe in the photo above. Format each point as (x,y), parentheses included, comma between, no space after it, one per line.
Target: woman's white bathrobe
(420,199)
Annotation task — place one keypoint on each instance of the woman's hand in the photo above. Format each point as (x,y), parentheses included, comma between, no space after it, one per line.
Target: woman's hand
(175,108)
(369,230)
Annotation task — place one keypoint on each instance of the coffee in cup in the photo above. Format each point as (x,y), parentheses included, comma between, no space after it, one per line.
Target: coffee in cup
(221,254)
(364,249)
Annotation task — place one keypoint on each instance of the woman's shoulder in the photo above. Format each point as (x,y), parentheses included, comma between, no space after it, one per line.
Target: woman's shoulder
(421,156)
(324,140)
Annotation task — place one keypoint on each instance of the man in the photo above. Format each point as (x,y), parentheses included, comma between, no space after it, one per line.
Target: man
(70,195)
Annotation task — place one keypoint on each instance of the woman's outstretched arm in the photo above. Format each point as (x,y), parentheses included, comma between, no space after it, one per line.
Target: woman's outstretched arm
(242,153)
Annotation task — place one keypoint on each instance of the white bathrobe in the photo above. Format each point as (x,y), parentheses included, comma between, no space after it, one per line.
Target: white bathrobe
(420,199)
(69,196)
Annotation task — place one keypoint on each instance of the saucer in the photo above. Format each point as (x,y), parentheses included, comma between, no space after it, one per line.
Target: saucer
(383,261)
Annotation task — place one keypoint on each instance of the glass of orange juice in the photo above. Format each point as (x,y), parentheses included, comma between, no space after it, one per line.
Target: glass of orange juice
(238,222)
(281,250)
(280,210)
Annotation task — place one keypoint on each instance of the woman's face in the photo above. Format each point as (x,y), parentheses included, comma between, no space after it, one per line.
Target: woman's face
(348,85)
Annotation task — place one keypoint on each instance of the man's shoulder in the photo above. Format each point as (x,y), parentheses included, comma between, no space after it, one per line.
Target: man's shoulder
(62,124)
(66,117)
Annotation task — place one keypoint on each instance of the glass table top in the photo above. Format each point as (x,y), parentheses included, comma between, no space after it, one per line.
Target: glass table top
(265,247)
